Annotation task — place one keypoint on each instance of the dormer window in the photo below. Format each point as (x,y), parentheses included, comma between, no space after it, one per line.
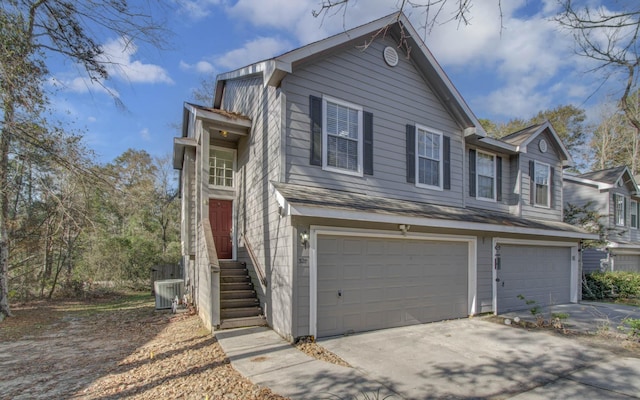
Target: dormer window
(486,173)
(542,178)
(620,209)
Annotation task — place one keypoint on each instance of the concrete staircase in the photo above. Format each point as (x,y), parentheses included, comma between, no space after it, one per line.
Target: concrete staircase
(239,305)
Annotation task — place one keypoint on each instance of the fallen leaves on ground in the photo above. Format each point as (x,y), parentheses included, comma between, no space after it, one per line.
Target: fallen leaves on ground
(133,353)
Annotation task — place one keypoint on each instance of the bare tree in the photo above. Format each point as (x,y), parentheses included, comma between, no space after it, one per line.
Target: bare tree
(30,32)
(611,39)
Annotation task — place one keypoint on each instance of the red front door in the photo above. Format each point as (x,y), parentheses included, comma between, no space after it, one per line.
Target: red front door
(221,218)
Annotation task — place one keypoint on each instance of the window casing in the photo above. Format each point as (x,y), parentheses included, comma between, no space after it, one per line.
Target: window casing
(342,136)
(620,213)
(429,158)
(221,167)
(542,185)
(634,214)
(485,176)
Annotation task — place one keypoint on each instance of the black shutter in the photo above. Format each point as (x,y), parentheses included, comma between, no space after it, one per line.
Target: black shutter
(551,186)
(472,173)
(498,178)
(625,212)
(411,153)
(446,162)
(532,183)
(315,115)
(615,209)
(367,128)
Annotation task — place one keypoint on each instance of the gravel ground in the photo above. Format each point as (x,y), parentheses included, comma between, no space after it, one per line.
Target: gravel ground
(48,351)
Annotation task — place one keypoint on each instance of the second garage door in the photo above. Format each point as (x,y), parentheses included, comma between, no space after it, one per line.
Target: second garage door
(373,283)
(623,262)
(539,273)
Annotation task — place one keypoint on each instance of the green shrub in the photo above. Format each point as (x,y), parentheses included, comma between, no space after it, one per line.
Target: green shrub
(617,284)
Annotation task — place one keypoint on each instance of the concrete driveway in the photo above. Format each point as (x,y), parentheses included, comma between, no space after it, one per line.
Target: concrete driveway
(467,358)
(475,358)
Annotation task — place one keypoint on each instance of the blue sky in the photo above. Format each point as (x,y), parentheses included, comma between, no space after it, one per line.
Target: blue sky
(516,71)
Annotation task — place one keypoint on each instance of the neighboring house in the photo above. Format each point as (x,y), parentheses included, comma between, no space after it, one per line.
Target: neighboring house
(614,193)
(362,193)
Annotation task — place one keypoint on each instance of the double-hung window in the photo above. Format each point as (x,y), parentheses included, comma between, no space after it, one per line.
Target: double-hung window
(342,136)
(486,176)
(429,157)
(620,212)
(221,167)
(634,214)
(542,186)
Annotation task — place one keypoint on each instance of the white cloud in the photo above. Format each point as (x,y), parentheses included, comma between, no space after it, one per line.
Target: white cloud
(145,134)
(91,119)
(196,9)
(256,50)
(202,67)
(118,57)
(82,85)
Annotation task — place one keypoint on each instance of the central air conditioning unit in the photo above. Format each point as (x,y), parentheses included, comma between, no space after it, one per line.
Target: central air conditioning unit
(167,290)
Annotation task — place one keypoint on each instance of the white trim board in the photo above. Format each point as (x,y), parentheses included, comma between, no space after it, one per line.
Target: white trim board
(338,231)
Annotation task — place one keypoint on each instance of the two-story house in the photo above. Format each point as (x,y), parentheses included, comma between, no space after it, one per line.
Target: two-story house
(614,193)
(362,193)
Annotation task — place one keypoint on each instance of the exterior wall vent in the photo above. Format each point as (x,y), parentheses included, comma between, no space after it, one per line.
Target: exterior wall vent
(390,56)
(166,290)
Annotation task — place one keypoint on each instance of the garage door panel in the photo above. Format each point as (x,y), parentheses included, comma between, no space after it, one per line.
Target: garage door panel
(538,273)
(409,282)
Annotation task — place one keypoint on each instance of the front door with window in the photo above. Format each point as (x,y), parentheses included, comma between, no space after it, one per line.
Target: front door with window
(221,218)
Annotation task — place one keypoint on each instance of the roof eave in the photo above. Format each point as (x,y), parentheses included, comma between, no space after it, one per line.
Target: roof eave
(322,212)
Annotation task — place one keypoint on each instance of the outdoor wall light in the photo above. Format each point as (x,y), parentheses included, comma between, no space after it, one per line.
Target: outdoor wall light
(304,239)
(404,228)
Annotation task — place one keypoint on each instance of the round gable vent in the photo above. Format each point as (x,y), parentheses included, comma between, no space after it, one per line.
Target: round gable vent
(390,56)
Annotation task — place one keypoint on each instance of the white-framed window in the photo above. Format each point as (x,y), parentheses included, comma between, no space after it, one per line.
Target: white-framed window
(542,184)
(221,167)
(620,212)
(485,176)
(342,136)
(429,157)
(634,214)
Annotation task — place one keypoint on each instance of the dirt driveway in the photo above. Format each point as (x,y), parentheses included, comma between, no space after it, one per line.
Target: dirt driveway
(114,348)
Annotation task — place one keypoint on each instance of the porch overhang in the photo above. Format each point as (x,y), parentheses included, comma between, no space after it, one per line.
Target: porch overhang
(222,125)
(297,200)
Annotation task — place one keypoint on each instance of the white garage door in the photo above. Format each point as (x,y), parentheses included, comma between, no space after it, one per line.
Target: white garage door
(373,283)
(539,273)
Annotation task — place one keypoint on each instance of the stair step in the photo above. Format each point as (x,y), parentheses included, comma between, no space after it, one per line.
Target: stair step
(235,279)
(227,304)
(237,294)
(228,287)
(241,312)
(232,265)
(230,323)
(234,272)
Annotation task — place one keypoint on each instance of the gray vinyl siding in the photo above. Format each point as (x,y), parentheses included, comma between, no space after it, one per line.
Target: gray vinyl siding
(551,158)
(258,216)
(396,96)
(591,260)
(485,274)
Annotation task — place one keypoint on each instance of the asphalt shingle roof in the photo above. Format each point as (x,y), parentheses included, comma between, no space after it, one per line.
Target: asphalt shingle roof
(343,200)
